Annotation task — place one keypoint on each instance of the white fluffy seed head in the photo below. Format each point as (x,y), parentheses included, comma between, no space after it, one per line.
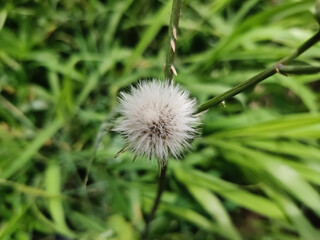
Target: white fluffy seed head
(158,119)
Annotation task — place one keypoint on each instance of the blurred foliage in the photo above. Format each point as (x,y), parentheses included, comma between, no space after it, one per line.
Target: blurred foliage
(254,173)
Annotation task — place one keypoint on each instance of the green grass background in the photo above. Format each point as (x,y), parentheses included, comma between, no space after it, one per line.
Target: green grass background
(253,174)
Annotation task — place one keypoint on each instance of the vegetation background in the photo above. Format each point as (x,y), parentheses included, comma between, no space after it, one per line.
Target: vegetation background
(253,174)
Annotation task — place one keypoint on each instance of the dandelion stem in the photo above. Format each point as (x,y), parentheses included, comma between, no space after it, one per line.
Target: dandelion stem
(169,72)
(161,187)
(261,76)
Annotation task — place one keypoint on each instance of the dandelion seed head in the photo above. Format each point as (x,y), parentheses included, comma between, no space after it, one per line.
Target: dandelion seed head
(158,119)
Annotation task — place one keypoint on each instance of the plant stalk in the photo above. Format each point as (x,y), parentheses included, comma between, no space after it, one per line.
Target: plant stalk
(169,70)
(169,73)
(261,76)
(161,188)
(298,70)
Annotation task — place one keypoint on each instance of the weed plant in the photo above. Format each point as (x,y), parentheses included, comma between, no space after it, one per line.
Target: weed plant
(253,174)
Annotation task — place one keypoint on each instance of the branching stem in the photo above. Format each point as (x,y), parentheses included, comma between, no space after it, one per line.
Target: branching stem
(261,76)
(298,70)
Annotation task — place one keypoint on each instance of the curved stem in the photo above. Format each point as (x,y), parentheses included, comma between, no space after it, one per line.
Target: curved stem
(161,187)
(261,76)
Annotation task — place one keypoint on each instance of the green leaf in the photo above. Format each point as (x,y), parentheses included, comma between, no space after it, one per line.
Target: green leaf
(53,185)
(289,179)
(229,191)
(306,230)
(189,215)
(31,149)
(214,207)
(158,21)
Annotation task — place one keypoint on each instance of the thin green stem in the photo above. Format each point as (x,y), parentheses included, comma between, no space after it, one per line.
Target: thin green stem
(261,76)
(169,70)
(161,188)
(317,11)
(297,70)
